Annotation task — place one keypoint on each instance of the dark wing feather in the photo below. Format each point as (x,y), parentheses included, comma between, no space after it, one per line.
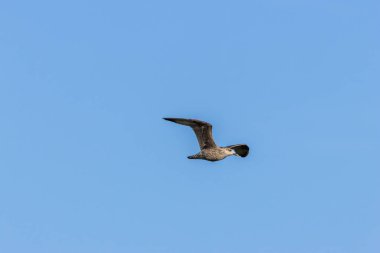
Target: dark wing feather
(240,149)
(203,131)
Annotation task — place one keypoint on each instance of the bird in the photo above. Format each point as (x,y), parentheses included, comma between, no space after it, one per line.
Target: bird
(209,150)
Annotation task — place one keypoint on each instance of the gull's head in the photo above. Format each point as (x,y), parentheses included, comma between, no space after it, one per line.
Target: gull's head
(232,152)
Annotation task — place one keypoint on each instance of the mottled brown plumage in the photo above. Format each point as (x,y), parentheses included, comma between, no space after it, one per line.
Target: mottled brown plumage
(209,150)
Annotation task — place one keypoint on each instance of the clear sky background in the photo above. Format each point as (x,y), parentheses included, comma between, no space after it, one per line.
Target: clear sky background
(88,165)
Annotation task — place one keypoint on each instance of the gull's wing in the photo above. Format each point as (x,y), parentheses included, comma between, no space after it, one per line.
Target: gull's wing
(240,149)
(203,131)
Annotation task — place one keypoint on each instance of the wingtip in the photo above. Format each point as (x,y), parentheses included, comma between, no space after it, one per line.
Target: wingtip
(170,119)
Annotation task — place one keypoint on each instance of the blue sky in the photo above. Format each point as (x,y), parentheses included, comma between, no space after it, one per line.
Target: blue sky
(88,165)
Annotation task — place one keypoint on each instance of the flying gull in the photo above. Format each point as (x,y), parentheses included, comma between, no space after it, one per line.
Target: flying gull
(209,150)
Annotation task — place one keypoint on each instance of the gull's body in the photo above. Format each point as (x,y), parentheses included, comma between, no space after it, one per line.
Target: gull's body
(209,150)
